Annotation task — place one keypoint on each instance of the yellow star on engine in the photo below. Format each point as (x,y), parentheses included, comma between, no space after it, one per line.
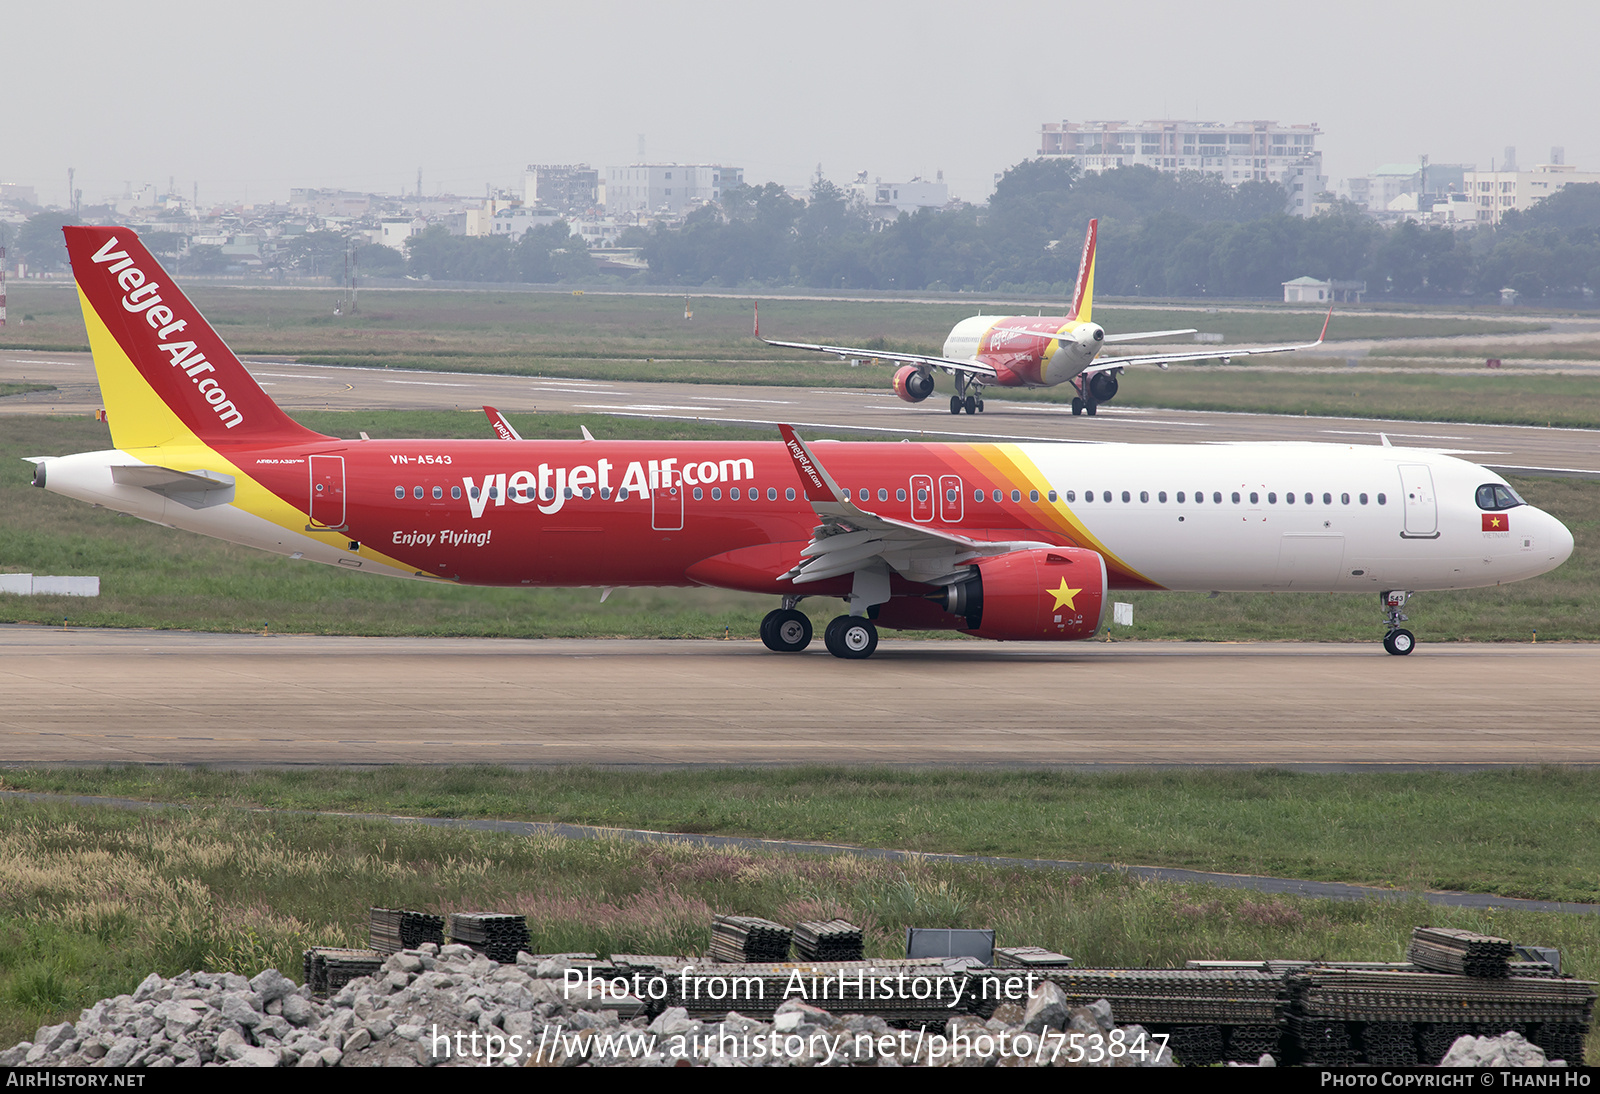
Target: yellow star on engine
(1064,596)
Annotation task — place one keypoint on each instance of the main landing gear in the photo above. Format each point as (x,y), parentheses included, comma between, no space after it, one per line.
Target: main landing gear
(786,630)
(1398,640)
(852,637)
(968,396)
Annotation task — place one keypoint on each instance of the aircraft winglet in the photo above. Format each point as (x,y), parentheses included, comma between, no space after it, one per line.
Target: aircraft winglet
(819,484)
(502,428)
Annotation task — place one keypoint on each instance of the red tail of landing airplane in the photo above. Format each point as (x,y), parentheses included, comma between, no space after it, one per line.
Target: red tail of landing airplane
(165,374)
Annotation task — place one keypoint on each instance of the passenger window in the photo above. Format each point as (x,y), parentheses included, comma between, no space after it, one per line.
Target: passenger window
(950,495)
(1255,498)
(1344,499)
(1236,497)
(1144,495)
(883,495)
(1309,499)
(1105,495)
(400,492)
(1052,497)
(787,494)
(1072,495)
(455,492)
(772,493)
(438,492)
(1126,497)
(899,495)
(1216,497)
(1088,495)
(1016,495)
(1033,496)
(1289,498)
(1272,498)
(977,495)
(999,495)
(716,493)
(1199,497)
(605,493)
(1327,499)
(1363,499)
(494,491)
(622,493)
(1180,497)
(1382,500)
(922,494)
(733,493)
(1162,497)
(417,493)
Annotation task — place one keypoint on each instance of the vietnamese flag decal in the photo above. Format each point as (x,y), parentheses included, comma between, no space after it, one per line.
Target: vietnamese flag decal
(1496,522)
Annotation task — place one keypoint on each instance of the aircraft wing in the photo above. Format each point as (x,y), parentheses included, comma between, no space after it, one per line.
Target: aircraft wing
(944,364)
(850,538)
(1162,360)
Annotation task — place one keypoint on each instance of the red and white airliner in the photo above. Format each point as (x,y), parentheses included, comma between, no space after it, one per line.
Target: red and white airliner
(1005,541)
(1034,351)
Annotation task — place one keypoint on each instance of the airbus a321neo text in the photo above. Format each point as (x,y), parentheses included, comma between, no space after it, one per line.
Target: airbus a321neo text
(1034,351)
(1020,542)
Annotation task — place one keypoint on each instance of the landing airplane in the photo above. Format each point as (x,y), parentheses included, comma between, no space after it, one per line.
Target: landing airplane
(1017,542)
(1033,351)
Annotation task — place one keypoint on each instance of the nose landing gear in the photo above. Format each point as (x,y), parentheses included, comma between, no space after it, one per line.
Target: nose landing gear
(1397,640)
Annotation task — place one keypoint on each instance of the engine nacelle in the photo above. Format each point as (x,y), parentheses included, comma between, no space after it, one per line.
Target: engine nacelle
(1046,594)
(913,384)
(1103,386)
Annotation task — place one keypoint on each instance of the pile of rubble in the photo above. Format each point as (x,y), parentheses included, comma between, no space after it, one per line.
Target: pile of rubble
(450,1006)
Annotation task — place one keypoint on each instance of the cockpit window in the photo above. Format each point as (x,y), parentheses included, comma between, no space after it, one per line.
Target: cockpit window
(1494,496)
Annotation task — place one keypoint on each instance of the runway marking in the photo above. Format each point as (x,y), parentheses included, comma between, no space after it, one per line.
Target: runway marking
(643,406)
(774,402)
(425,383)
(1387,433)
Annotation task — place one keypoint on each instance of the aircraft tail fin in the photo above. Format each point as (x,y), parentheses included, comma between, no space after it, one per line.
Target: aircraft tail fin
(165,375)
(1083,296)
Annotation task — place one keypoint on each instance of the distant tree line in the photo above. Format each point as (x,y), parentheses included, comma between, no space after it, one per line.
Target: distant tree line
(1161,235)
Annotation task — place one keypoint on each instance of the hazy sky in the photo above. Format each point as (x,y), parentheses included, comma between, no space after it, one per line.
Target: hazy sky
(249,100)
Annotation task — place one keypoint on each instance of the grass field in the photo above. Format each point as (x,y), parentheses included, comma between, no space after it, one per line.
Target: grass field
(160,577)
(22,389)
(526,330)
(92,900)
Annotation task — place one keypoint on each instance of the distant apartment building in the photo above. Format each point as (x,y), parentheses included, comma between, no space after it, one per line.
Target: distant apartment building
(514,223)
(669,188)
(329,203)
(569,189)
(17,193)
(1496,193)
(1254,151)
(887,200)
(1405,187)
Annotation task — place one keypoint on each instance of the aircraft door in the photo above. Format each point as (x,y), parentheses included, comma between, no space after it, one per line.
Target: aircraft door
(950,499)
(1422,508)
(327,492)
(666,503)
(921,497)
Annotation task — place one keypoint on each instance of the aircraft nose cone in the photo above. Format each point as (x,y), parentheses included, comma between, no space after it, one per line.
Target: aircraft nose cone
(1560,542)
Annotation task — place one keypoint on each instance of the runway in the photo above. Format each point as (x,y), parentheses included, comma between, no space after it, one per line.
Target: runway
(93,697)
(825,411)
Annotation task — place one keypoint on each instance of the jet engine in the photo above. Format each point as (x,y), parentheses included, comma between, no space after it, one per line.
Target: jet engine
(1103,386)
(1048,593)
(913,384)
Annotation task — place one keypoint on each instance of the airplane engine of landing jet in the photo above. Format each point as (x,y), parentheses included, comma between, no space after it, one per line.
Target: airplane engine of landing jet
(913,384)
(1049,593)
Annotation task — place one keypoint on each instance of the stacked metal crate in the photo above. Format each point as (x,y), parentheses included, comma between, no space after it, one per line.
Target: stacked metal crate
(749,938)
(830,940)
(498,937)
(393,930)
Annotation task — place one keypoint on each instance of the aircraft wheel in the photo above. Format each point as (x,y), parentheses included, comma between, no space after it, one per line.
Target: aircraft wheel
(1077,406)
(1091,408)
(853,637)
(1400,642)
(955,404)
(791,631)
(980,406)
(830,635)
(972,404)
(769,630)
